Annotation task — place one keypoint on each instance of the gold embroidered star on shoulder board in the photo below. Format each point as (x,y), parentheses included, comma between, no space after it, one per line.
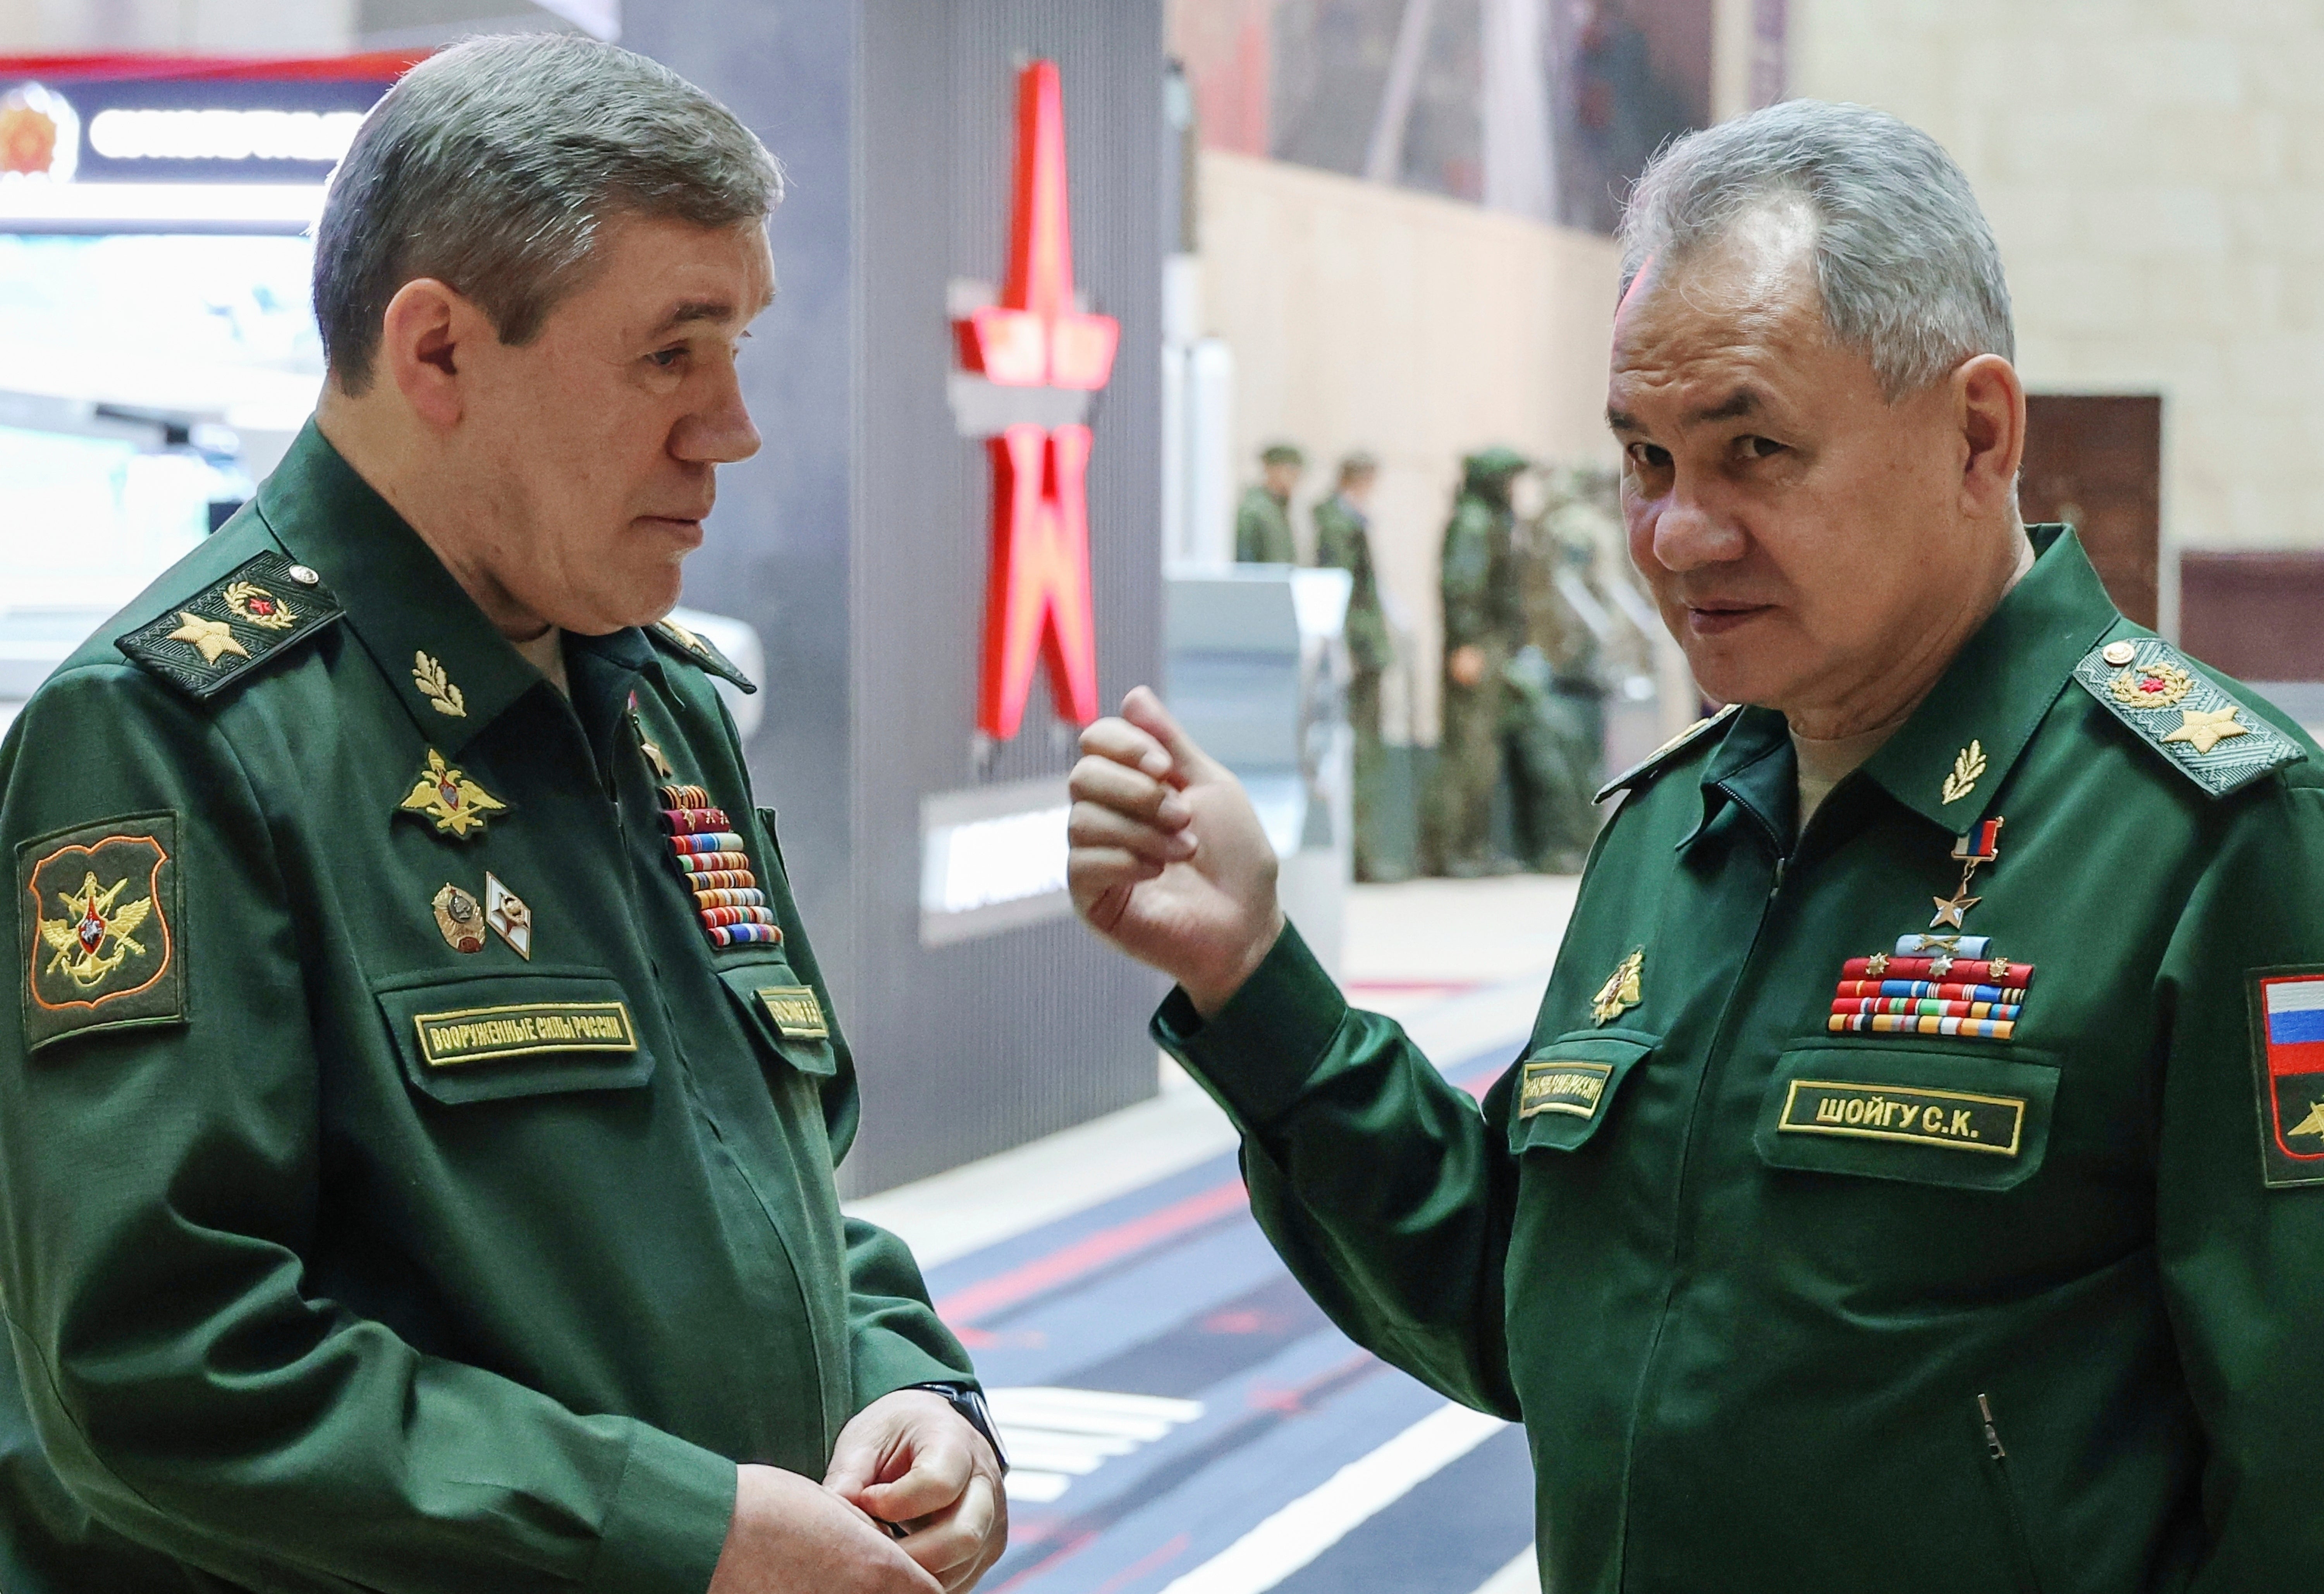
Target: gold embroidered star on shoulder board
(209,637)
(2205,728)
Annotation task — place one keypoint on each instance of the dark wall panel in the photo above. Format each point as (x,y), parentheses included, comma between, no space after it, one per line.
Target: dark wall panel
(856,542)
(986,1043)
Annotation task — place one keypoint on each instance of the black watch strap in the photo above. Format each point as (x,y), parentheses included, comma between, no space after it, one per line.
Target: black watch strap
(969,1403)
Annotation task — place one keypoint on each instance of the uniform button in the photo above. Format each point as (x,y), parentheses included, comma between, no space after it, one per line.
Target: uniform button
(2119,654)
(302,575)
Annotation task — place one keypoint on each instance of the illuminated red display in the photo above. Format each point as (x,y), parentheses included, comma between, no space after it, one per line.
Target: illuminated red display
(1038,602)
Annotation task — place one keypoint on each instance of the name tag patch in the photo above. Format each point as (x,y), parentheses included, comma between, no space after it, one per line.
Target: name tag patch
(797,1014)
(523,1029)
(1552,1085)
(1955,1119)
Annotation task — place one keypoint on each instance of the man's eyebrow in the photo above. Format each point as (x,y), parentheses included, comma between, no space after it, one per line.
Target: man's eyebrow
(696,310)
(1742,402)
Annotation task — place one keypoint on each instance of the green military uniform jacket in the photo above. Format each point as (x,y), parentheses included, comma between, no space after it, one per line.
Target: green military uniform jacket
(1483,604)
(1263,530)
(345,1244)
(1786,1304)
(1344,541)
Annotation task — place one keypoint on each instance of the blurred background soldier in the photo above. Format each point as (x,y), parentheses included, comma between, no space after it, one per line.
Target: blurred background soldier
(1555,721)
(1263,520)
(1344,541)
(1484,627)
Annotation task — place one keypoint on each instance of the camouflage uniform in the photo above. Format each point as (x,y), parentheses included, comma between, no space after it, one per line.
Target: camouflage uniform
(1344,541)
(1263,529)
(1482,609)
(1556,711)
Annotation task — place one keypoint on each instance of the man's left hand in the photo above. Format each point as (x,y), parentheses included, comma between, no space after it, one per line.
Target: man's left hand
(909,1459)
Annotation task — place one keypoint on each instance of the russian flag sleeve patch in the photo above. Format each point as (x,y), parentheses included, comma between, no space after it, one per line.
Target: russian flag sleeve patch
(2288,1025)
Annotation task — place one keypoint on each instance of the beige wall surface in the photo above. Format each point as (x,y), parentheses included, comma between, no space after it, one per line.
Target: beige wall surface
(2155,172)
(1368,317)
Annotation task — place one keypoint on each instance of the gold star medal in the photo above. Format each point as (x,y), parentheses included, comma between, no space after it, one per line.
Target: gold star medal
(2204,728)
(1622,989)
(1980,846)
(210,638)
(448,799)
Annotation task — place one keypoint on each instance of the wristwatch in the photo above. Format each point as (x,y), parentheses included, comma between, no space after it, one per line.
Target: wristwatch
(969,1403)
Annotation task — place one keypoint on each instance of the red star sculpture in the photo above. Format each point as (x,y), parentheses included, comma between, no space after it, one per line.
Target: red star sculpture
(1038,602)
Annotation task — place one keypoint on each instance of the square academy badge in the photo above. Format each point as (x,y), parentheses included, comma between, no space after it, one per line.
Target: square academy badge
(2288,1058)
(97,911)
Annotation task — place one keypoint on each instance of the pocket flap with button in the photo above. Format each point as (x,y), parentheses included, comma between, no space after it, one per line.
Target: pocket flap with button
(1926,1115)
(1565,1089)
(490,1037)
(784,1011)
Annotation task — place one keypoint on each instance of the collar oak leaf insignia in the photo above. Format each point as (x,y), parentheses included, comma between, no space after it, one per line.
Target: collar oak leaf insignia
(1968,768)
(81,939)
(1623,989)
(435,683)
(448,799)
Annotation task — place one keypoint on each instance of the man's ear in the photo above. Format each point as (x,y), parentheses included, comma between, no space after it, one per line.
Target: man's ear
(1991,400)
(428,331)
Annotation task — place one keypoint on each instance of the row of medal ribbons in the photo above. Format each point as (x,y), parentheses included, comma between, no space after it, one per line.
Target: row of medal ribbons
(1931,985)
(717,870)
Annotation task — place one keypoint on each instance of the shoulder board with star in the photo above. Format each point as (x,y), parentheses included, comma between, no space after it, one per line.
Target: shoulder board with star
(698,650)
(264,606)
(2177,709)
(1651,764)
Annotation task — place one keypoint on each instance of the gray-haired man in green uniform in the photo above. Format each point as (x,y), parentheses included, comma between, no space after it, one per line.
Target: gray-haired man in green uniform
(419,1102)
(1914,1180)
(1263,519)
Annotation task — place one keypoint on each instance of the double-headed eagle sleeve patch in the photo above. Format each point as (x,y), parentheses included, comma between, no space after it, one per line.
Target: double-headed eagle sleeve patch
(2184,715)
(234,625)
(97,909)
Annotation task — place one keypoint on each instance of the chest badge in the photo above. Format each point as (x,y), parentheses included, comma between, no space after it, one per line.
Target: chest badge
(1623,989)
(459,918)
(507,913)
(447,798)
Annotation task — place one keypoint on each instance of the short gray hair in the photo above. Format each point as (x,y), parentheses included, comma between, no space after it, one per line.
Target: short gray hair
(491,166)
(1905,262)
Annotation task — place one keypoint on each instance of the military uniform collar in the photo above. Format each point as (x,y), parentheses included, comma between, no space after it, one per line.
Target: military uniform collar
(454,670)
(1950,757)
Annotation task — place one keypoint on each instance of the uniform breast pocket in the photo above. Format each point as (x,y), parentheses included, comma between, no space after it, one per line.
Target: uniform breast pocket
(1959,1116)
(492,1037)
(785,1014)
(1566,1090)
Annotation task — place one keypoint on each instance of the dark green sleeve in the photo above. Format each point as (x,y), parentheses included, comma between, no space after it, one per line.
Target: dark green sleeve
(2243,1261)
(1386,1190)
(158,1191)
